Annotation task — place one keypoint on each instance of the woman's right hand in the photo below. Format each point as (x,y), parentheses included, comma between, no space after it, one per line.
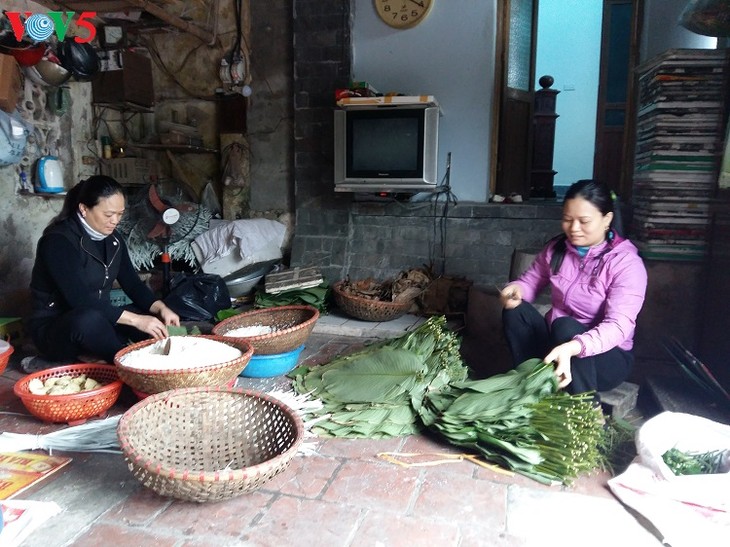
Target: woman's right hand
(511,296)
(148,324)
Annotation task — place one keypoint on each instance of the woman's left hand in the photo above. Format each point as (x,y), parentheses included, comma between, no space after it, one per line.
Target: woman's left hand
(169,317)
(561,356)
(166,315)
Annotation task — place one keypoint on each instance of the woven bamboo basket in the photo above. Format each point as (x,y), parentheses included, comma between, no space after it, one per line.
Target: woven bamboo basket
(75,408)
(367,309)
(154,381)
(208,444)
(291,326)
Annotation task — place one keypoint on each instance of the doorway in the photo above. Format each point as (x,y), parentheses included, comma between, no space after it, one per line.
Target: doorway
(590,48)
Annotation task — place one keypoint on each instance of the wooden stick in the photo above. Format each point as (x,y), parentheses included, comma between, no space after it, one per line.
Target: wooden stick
(175,21)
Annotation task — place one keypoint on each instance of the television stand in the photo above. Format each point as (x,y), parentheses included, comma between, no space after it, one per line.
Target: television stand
(383,197)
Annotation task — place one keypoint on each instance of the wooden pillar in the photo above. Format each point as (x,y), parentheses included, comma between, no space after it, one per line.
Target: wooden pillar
(541,180)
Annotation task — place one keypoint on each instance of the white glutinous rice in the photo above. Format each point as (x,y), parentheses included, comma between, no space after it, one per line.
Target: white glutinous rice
(253,330)
(180,352)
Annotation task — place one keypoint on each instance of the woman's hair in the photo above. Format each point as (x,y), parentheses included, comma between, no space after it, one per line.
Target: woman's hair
(603,199)
(88,192)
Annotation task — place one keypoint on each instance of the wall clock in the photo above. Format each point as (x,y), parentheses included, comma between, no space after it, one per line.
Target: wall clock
(403,14)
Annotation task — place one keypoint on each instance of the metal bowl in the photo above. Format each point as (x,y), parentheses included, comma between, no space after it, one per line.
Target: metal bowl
(48,73)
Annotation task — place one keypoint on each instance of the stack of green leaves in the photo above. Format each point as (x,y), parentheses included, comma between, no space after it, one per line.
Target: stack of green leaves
(312,296)
(693,463)
(520,421)
(377,392)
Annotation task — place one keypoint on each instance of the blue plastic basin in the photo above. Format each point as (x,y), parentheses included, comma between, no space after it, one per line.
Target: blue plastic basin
(266,366)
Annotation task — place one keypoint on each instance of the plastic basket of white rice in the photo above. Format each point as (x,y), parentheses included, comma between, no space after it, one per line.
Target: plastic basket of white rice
(153,366)
(271,331)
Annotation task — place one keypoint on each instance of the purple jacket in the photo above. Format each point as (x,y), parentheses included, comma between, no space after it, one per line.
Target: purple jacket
(603,290)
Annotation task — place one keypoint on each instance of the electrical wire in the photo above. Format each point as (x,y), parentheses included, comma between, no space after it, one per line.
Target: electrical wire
(439,221)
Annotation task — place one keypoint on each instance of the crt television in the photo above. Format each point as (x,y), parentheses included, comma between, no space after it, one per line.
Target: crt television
(386,148)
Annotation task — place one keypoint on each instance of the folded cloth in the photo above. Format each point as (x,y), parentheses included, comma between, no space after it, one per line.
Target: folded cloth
(246,236)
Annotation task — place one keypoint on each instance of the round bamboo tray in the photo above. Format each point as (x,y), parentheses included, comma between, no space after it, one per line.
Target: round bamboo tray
(291,326)
(367,309)
(156,380)
(75,408)
(208,444)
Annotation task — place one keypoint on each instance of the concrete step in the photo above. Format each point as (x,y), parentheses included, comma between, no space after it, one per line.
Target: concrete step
(621,400)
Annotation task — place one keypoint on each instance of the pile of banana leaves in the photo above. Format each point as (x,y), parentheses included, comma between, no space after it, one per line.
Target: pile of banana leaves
(378,391)
(519,420)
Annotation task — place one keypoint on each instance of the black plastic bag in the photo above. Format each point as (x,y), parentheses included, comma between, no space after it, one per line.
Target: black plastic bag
(197,297)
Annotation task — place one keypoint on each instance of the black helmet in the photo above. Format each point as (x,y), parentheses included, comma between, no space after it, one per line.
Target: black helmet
(80,60)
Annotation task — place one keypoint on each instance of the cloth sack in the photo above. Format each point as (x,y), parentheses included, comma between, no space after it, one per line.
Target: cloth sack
(687,510)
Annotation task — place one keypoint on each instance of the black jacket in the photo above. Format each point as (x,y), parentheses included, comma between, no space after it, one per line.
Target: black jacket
(73,271)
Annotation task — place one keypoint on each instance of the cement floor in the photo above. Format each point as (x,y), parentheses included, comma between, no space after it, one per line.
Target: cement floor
(344,495)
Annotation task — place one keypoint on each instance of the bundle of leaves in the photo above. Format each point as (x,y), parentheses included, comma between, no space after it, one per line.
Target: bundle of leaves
(378,391)
(520,421)
(312,296)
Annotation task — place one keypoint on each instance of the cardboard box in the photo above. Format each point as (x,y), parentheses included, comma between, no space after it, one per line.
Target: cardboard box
(130,171)
(9,82)
(125,77)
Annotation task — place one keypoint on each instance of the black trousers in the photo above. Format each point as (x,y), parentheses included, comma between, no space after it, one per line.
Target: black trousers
(82,331)
(529,336)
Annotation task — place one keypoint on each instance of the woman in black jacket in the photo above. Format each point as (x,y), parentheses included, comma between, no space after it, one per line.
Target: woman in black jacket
(78,258)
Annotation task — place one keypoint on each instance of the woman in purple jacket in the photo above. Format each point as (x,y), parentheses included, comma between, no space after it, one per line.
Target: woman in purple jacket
(597,282)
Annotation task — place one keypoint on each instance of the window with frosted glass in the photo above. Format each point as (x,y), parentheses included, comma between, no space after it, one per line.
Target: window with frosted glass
(520,44)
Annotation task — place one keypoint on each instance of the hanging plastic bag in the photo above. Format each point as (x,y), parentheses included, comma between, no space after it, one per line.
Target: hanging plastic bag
(14,133)
(197,297)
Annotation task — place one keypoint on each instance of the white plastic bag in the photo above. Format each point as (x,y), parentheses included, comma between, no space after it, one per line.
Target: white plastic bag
(687,510)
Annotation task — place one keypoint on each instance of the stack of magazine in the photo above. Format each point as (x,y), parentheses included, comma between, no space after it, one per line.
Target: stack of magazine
(679,146)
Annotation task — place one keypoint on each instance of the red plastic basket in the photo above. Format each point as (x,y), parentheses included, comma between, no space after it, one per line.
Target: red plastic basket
(76,408)
(5,357)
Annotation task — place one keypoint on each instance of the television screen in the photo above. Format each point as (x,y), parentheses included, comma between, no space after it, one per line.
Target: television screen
(385,145)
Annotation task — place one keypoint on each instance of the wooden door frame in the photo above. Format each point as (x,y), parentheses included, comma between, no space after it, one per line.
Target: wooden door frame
(502,48)
(629,129)
(500,91)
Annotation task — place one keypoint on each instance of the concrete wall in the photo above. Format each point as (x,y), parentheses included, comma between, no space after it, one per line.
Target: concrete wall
(455,66)
(662,30)
(23,216)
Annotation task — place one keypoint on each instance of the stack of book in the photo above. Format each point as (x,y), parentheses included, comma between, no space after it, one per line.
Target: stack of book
(679,145)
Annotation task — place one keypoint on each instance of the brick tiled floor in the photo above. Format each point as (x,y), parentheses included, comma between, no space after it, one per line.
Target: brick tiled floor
(344,494)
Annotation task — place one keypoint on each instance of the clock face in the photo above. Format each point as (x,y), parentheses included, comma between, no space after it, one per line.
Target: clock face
(402,14)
